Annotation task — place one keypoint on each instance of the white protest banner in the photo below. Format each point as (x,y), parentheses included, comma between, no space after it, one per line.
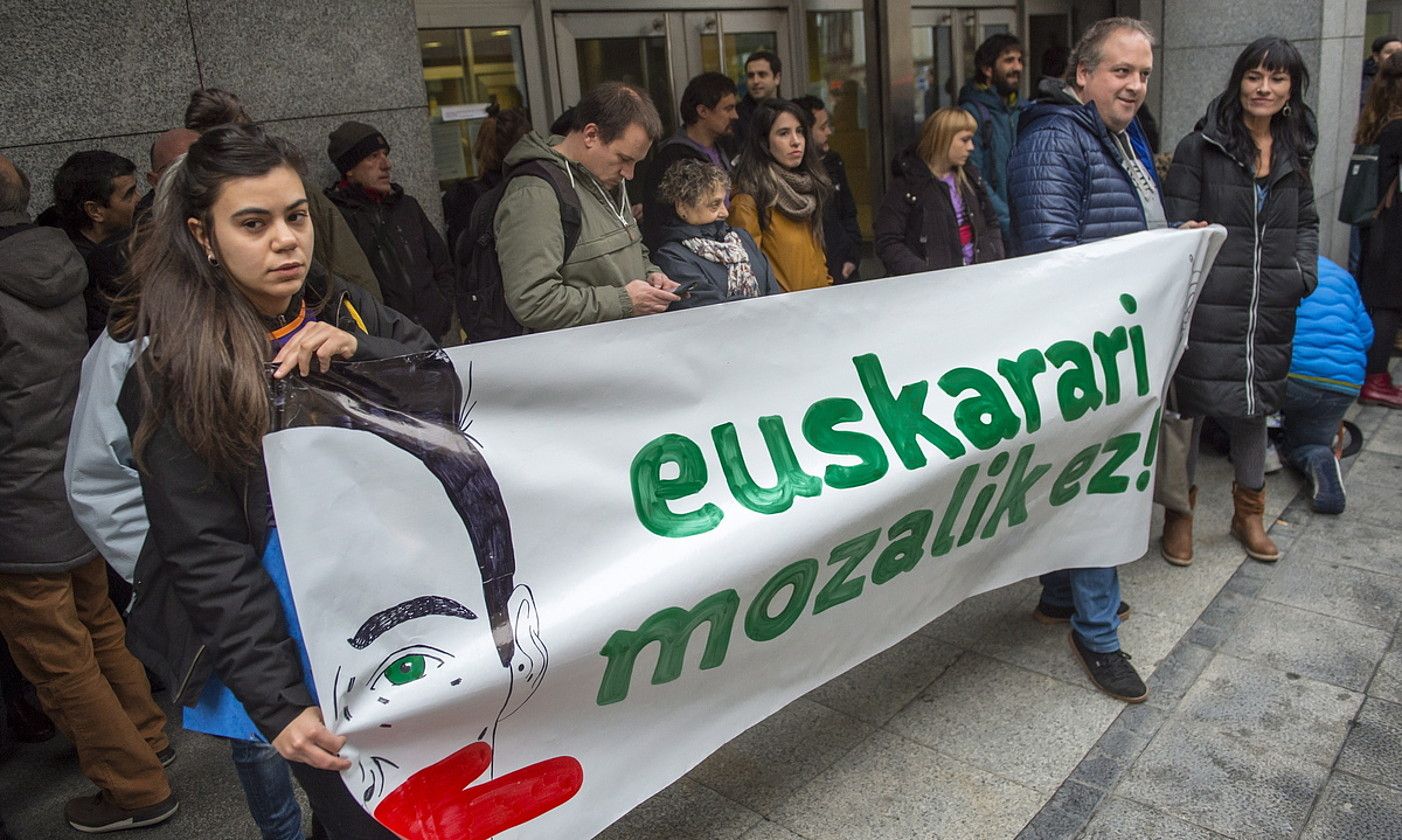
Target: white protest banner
(662,530)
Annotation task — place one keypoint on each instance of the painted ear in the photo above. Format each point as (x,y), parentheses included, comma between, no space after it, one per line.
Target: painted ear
(529,662)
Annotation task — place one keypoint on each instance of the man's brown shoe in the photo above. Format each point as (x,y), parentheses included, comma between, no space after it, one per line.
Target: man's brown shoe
(95,815)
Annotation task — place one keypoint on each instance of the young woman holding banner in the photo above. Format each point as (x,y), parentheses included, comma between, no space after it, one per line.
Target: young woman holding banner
(1246,167)
(225,292)
(937,213)
(780,191)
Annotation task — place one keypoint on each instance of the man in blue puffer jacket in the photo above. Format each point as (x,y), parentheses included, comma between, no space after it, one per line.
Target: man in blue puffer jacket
(1080,172)
(1332,335)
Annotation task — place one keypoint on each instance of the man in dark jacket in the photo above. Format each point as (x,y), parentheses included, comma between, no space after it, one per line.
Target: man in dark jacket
(62,629)
(708,118)
(410,259)
(1087,139)
(842,234)
(95,196)
(992,99)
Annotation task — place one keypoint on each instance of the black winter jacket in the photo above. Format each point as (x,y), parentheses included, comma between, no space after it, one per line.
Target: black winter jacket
(1238,352)
(410,259)
(915,226)
(1380,281)
(42,344)
(204,605)
(842,235)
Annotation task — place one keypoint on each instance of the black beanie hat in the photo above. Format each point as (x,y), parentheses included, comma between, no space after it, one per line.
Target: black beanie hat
(353,142)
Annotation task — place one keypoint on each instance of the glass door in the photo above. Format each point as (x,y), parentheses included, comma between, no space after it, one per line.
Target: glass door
(943,43)
(634,48)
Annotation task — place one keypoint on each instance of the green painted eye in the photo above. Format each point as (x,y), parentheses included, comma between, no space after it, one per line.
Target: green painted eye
(406,669)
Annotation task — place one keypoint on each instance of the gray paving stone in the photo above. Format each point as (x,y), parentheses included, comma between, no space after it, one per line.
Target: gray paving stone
(775,757)
(878,688)
(1377,468)
(1387,682)
(1119,818)
(1223,783)
(769,831)
(1065,814)
(1177,673)
(1387,439)
(1322,585)
(684,810)
(1154,586)
(1022,725)
(1371,503)
(891,787)
(1256,704)
(1374,747)
(1357,810)
(1352,541)
(1321,647)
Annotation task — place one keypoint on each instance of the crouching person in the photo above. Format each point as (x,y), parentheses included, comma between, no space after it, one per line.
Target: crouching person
(1332,335)
(698,248)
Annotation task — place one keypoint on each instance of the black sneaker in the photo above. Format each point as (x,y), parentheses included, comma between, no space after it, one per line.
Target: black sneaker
(95,815)
(1048,614)
(1111,672)
(166,756)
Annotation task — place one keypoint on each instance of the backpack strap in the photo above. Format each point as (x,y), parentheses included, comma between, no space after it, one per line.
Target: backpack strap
(571,212)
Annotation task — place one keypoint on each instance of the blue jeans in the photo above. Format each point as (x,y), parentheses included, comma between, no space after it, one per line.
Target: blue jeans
(1094,595)
(267,785)
(1312,418)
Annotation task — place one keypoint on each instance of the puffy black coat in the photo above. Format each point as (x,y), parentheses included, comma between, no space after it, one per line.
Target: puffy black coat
(1239,344)
(1380,281)
(842,234)
(915,226)
(204,603)
(409,257)
(1066,185)
(42,344)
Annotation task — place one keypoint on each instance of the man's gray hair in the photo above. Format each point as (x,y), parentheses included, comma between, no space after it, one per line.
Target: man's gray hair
(1090,50)
(14,189)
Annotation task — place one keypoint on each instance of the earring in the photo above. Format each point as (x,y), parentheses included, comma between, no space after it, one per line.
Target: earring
(213,260)
(1285,112)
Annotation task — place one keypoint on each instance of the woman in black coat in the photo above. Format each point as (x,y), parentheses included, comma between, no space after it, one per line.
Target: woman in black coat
(1380,281)
(1246,167)
(936,213)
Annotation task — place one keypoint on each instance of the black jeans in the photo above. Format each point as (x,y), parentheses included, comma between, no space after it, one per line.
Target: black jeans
(335,813)
(1385,324)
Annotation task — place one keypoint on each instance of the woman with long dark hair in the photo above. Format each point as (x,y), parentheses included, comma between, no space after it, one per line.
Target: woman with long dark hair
(780,191)
(226,297)
(937,213)
(1380,280)
(1246,167)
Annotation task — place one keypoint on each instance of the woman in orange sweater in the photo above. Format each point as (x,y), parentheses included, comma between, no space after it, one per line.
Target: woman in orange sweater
(780,190)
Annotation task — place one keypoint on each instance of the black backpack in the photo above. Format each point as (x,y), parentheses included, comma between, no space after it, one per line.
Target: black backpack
(482,307)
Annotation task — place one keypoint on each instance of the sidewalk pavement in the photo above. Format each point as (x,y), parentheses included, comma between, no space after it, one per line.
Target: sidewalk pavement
(1275,710)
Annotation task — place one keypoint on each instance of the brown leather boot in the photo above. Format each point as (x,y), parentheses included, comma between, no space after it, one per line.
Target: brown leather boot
(1247,527)
(1177,543)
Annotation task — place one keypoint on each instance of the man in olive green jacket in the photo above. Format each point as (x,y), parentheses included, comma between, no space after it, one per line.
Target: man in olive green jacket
(608,275)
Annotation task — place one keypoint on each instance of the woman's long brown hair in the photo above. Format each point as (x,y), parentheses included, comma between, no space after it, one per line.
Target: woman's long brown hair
(204,363)
(1384,102)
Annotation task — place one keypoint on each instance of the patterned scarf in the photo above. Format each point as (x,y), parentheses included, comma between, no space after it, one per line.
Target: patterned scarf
(728,251)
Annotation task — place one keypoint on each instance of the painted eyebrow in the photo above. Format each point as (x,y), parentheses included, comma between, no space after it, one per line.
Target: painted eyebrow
(383,621)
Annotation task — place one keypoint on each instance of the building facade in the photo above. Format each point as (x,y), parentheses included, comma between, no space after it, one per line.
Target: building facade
(87,74)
